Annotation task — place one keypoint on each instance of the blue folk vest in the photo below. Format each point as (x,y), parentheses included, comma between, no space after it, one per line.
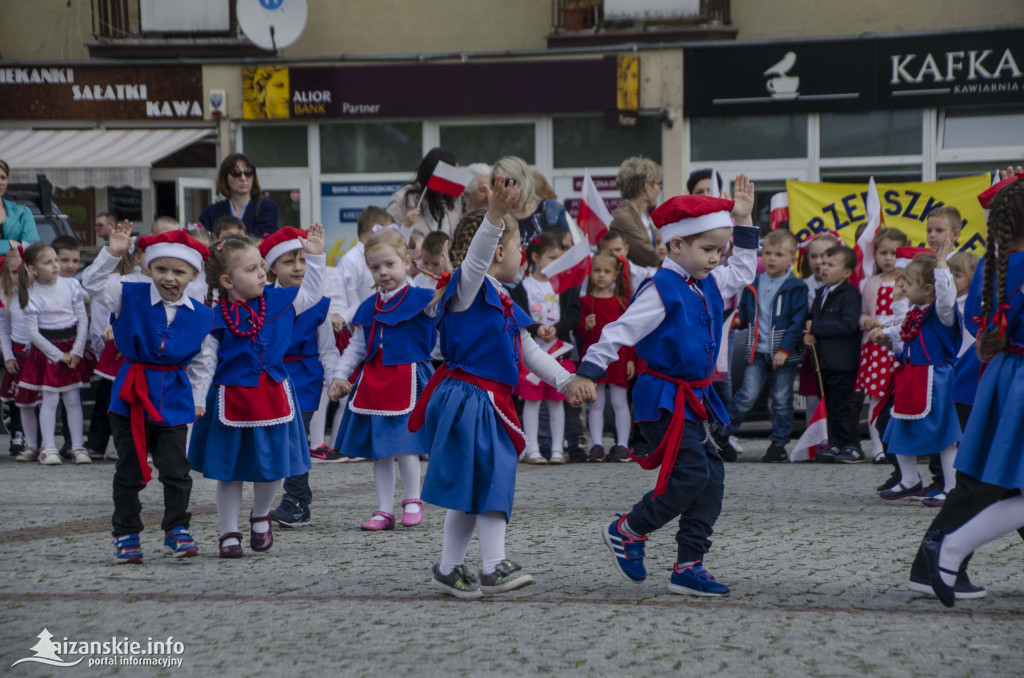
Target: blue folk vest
(241,360)
(404,334)
(302,360)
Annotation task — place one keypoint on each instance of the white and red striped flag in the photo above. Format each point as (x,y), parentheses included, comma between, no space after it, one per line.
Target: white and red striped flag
(865,246)
(449,179)
(814,438)
(594,217)
(779,210)
(571,269)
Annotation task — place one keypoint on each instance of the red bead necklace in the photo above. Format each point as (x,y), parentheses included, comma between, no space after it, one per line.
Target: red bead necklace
(256,319)
(912,325)
(381,306)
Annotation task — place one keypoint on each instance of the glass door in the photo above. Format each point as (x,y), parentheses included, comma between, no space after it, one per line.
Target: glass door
(193,196)
(292,191)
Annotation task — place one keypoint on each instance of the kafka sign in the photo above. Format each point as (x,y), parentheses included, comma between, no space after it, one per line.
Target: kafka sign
(817,207)
(976,68)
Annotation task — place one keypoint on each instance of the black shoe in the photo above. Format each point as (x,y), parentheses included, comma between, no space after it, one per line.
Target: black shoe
(828,455)
(850,455)
(775,453)
(577,456)
(17,443)
(597,453)
(933,489)
(894,478)
(618,454)
(931,546)
(725,449)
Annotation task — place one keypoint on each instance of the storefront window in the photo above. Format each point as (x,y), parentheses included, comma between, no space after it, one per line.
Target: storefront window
(954,170)
(276,145)
(488,143)
(847,135)
(352,148)
(586,142)
(748,137)
(861,175)
(966,129)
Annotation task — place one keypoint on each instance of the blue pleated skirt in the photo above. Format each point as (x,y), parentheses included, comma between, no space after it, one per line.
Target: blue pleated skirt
(993,446)
(373,436)
(255,454)
(472,459)
(932,433)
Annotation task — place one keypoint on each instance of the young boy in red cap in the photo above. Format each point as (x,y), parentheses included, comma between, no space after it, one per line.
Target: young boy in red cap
(159,329)
(675,322)
(312,352)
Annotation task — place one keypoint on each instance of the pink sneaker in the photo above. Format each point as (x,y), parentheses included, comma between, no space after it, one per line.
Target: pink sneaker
(412,519)
(372,525)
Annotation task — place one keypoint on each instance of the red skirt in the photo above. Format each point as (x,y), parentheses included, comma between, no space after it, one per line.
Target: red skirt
(9,386)
(39,374)
(110,362)
(542,391)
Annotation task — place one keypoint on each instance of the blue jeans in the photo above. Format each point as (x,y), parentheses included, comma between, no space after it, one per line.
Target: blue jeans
(780,381)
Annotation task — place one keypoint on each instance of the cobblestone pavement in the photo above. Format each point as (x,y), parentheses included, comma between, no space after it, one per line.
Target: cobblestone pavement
(818,566)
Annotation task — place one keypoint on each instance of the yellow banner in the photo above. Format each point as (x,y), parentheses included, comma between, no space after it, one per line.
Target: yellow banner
(840,207)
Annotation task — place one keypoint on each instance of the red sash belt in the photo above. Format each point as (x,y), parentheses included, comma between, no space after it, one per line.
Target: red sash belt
(668,450)
(501,396)
(296,358)
(1014,349)
(135,392)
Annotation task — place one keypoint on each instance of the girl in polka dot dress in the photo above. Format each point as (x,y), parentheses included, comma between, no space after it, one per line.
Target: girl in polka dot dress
(877,362)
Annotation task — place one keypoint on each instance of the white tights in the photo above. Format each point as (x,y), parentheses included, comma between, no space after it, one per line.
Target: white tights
(48,416)
(908,469)
(876,436)
(995,520)
(229,503)
(458,530)
(620,407)
(384,480)
(318,424)
(336,424)
(30,426)
(556,419)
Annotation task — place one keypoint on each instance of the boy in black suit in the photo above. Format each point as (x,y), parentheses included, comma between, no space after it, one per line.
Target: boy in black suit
(834,328)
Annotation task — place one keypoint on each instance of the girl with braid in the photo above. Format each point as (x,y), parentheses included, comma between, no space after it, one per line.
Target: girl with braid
(987,502)
(470,421)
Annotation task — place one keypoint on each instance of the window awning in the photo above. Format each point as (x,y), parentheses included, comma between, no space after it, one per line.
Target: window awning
(86,158)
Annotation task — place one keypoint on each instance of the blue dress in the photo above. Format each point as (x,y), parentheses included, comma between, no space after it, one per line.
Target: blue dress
(993,447)
(401,337)
(472,457)
(936,346)
(263,440)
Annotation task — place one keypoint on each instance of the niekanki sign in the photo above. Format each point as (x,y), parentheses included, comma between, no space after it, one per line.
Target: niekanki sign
(975,68)
(101,93)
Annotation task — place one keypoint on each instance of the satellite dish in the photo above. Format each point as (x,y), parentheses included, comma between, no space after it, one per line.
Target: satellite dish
(272,24)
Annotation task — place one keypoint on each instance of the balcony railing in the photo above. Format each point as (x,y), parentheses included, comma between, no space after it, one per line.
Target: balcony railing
(111,20)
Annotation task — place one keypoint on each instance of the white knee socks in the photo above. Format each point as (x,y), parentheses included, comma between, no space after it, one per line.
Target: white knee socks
(229,503)
(338,416)
(490,530)
(409,467)
(458,530)
(1002,517)
(73,406)
(531,425)
(623,419)
(556,421)
(48,418)
(595,417)
(908,470)
(318,424)
(263,502)
(384,483)
(947,457)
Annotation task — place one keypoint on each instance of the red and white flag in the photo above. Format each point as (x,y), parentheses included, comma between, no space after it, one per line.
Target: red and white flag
(814,438)
(779,210)
(571,269)
(865,246)
(449,179)
(594,217)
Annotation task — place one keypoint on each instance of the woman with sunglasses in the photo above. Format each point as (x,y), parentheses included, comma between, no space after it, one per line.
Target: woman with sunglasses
(237,182)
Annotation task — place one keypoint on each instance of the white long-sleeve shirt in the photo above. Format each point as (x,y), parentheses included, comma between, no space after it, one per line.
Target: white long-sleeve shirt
(203,366)
(945,307)
(12,327)
(356,280)
(474,270)
(57,307)
(647,310)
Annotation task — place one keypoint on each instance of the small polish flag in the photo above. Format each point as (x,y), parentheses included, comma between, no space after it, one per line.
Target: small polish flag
(557,350)
(779,210)
(814,438)
(571,269)
(713,189)
(865,247)
(449,179)
(594,217)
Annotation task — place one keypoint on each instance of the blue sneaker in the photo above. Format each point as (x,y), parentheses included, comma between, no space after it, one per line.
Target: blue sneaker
(291,513)
(695,581)
(178,542)
(628,551)
(128,550)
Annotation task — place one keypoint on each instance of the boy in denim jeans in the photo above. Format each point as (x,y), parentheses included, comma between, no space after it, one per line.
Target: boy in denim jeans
(774,309)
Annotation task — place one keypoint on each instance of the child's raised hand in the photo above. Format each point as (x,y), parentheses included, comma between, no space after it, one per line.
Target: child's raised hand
(338,389)
(943,252)
(411,217)
(743,196)
(313,243)
(504,194)
(1009,172)
(590,322)
(120,240)
(12,366)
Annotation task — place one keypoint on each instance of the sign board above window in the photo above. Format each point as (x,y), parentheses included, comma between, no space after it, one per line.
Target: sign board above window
(978,68)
